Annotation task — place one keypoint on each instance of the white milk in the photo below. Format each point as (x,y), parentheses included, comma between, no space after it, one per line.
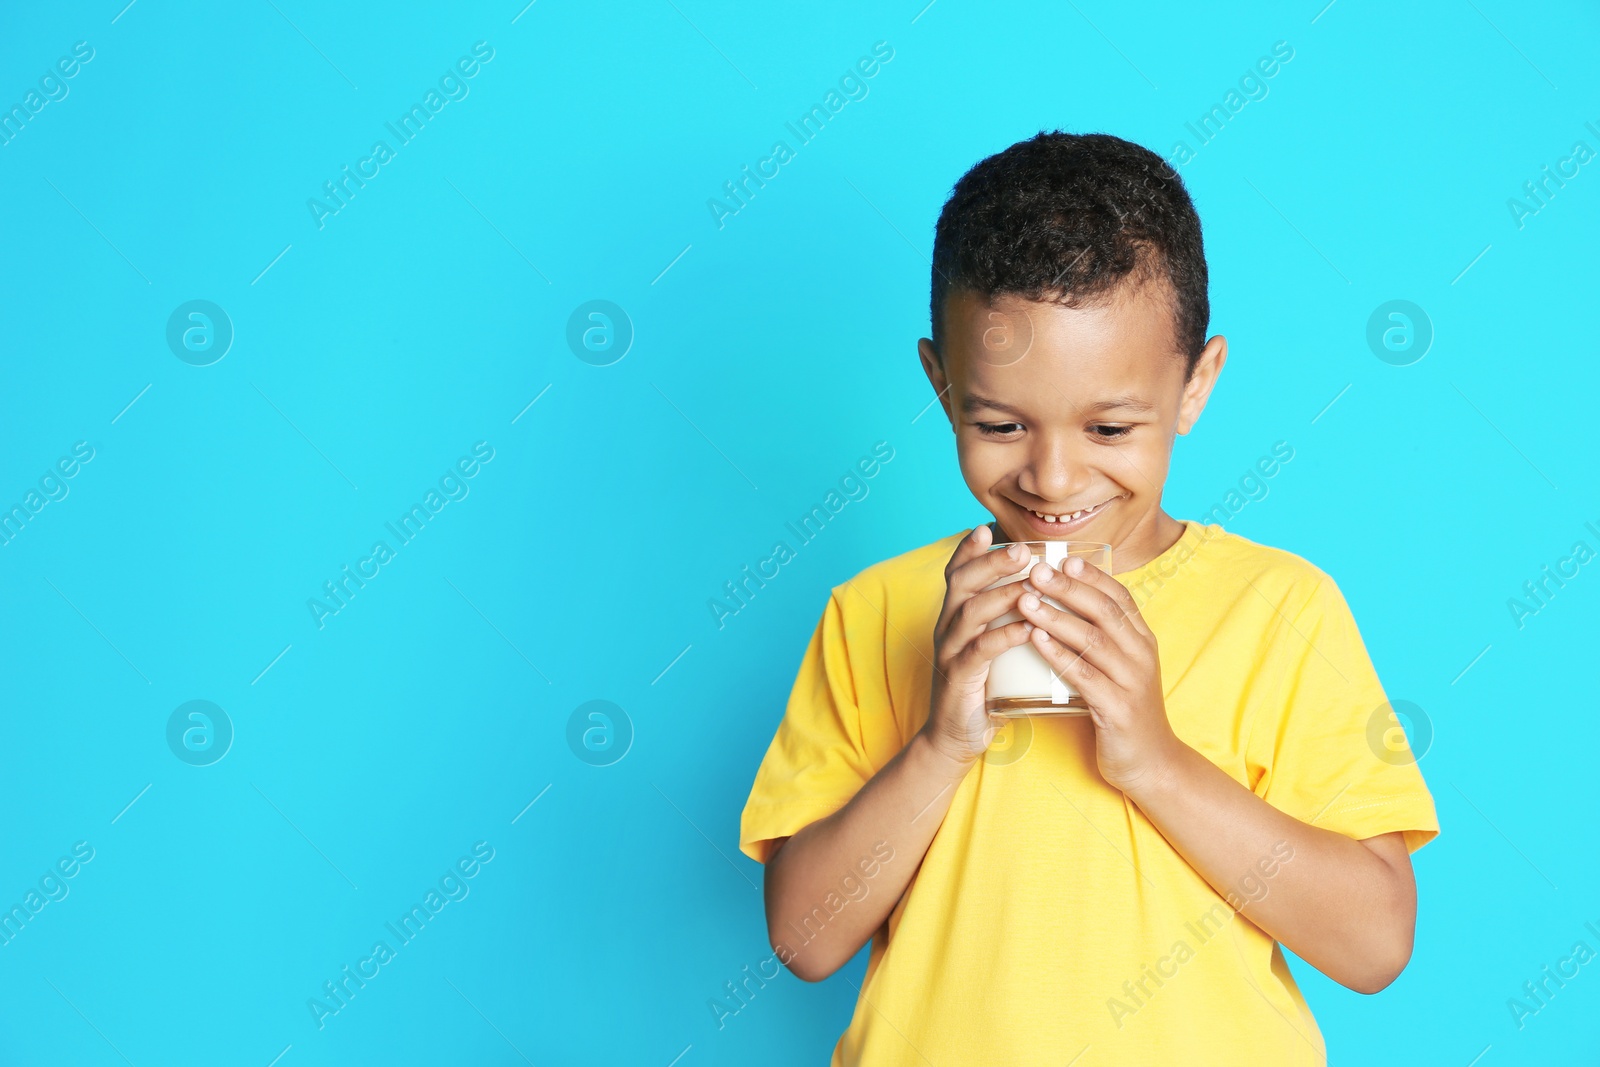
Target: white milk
(1020,681)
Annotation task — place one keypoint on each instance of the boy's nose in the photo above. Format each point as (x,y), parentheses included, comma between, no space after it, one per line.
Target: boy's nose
(1054,473)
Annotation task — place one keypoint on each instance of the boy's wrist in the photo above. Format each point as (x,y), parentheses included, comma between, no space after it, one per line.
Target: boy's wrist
(1168,778)
(935,761)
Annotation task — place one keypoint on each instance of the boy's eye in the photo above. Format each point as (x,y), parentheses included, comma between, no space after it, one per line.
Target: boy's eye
(1006,429)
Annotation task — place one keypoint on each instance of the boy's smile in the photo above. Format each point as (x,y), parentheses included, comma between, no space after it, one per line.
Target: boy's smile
(1065,417)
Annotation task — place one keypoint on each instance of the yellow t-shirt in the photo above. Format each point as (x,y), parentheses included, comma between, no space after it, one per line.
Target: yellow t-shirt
(1050,919)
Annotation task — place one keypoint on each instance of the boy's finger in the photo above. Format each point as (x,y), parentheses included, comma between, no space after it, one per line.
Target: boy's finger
(1119,594)
(987,645)
(974,614)
(972,567)
(1096,595)
(968,548)
(1068,662)
(980,572)
(1080,637)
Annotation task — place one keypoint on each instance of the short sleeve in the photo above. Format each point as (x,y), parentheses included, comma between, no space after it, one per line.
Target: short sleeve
(1329,749)
(818,759)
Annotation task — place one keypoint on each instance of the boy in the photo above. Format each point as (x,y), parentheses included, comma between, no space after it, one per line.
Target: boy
(1111,888)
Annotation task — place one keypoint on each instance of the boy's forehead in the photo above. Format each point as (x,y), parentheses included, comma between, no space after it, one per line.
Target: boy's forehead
(1040,351)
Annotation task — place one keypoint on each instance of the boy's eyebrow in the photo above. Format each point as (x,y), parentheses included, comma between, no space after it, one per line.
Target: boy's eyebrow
(973,402)
(1126,402)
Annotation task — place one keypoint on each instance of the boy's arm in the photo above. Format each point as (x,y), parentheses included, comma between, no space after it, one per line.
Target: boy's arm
(901,806)
(1347,907)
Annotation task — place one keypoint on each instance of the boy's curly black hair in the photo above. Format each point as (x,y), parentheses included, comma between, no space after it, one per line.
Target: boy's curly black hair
(1069,218)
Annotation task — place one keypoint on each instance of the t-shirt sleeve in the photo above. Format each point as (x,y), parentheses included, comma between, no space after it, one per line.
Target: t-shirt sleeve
(818,758)
(1335,754)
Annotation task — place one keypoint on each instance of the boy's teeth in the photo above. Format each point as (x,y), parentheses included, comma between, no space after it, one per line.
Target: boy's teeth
(1061,518)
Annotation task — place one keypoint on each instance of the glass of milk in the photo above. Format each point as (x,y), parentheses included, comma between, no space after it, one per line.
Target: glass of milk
(1020,680)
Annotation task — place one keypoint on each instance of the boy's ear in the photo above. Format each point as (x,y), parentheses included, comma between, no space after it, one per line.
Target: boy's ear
(1197,390)
(934,369)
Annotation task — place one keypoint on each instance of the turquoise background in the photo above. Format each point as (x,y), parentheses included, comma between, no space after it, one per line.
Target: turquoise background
(768,354)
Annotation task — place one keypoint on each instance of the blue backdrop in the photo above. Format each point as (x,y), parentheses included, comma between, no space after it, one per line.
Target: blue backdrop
(287,282)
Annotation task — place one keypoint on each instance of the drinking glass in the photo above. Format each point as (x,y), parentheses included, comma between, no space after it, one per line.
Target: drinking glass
(1021,681)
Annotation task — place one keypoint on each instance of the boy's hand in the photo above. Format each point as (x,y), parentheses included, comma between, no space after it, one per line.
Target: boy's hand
(958,724)
(1110,656)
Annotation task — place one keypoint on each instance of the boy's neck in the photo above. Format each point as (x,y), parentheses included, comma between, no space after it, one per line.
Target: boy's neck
(1154,534)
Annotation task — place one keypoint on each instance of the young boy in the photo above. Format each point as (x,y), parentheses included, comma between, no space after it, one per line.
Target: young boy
(1110,888)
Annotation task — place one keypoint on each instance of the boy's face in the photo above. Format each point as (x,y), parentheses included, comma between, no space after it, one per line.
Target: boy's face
(1060,411)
